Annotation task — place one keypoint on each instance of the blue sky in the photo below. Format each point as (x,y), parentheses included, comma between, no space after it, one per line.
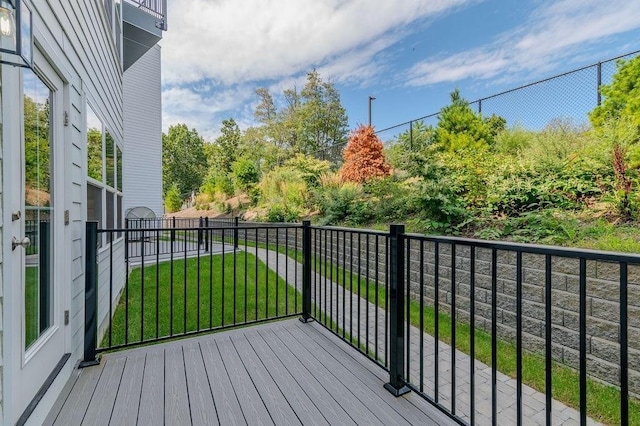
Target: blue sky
(409,54)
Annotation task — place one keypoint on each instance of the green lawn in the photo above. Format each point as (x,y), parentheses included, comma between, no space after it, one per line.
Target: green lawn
(171,308)
(32,299)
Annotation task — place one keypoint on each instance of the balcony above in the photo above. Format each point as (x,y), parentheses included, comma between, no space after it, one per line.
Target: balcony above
(143,24)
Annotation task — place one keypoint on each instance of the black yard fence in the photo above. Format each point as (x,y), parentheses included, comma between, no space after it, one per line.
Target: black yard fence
(462,322)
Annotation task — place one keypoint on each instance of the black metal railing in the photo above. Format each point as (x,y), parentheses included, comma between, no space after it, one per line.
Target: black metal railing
(148,237)
(443,314)
(440,314)
(159,294)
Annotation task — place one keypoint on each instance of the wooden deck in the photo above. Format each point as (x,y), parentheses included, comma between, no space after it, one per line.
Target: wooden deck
(281,373)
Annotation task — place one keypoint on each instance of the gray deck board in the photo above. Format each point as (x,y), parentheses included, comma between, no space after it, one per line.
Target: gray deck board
(203,409)
(411,406)
(78,401)
(323,399)
(372,394)
(250,400)
(361,413)
(299,401)
(227,405)
(176,394)
(62,399)
(277,405)
(277,373)
(125,409)
(152,402)
(101,405)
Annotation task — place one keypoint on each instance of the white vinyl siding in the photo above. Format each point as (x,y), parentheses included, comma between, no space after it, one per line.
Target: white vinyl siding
(143,134)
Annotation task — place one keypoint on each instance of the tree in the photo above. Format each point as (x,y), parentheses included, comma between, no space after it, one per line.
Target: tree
(312,119)
(417,137)
(266,111)
(621,97)
(183,160)
(460,128)
(226,146)
(173,201)
(245,174)
(364,156)
(323,118)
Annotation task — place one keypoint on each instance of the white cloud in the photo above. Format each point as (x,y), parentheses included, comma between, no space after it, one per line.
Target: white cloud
(200,109)
(233,41)
(554,31)
(217,51)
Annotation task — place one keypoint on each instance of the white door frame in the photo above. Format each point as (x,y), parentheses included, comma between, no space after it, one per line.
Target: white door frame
(26,370)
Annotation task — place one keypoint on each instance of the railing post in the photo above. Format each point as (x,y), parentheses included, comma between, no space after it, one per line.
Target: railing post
(90,295)
(200,225)
(306,271)
(235,232)
(173,229)
(206,234)
(396,383)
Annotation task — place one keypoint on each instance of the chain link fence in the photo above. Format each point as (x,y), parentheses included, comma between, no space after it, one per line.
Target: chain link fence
(566,98)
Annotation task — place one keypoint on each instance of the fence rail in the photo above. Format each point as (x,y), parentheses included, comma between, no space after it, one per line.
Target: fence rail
(439,314)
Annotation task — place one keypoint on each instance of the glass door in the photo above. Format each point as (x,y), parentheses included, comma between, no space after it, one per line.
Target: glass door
(38,208)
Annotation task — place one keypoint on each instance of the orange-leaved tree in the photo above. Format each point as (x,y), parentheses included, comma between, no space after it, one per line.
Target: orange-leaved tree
(363,156)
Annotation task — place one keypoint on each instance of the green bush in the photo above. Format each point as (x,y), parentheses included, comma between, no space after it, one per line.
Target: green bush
(283,192)
(282,213)
(172,200)
(344,204)
(245,174)
(217,183)
(390,198)
(310,168)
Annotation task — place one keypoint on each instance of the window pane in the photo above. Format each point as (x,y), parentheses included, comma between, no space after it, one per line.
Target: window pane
(119,167)
(94,145)
(120,215)
(110,210)
(109,159)
(38,286)
(94,206)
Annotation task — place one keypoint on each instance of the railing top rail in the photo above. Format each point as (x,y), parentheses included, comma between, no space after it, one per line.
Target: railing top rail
(353,230)
(532,248)
(195,228)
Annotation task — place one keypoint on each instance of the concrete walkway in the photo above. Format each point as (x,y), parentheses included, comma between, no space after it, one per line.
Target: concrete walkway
(361,326)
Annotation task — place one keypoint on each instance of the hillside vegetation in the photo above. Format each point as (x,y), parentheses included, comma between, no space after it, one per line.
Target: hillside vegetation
(469,175)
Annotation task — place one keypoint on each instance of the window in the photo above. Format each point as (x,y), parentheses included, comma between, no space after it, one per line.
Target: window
(104,176)
(94,146)
(109,160)
(119,169)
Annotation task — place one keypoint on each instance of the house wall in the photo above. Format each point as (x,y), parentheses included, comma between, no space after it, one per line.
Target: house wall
(78,41)
(111,279)
(143,134)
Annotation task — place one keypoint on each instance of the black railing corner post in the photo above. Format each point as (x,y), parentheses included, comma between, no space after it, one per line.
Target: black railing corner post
(173,229)
(90,296)
(200,225)
(236,223)
(396,385)
(306,271)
